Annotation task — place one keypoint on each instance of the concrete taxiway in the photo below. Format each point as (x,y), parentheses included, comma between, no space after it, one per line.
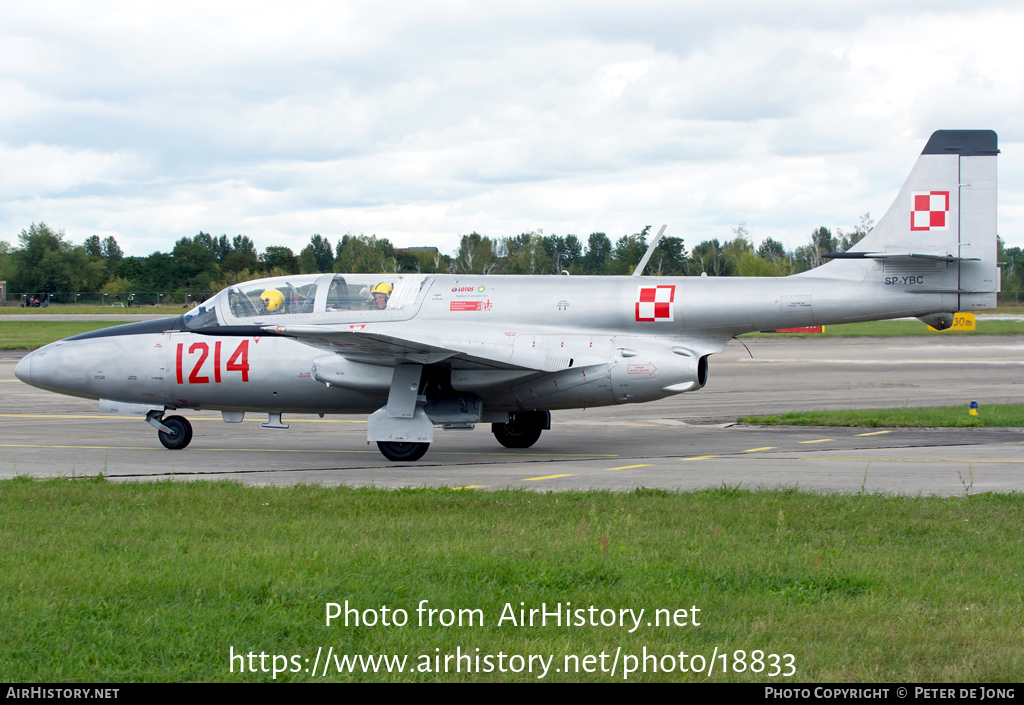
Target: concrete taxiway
(685,442)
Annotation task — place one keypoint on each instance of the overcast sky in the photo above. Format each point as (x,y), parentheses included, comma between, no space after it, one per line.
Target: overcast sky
(421,121)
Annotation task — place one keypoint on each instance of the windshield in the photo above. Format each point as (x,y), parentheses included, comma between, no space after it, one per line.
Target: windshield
(202,315)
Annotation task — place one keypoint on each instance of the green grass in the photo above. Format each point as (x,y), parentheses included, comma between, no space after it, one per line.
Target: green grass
(130,582)
(17,335)
(988,415)
(888,329)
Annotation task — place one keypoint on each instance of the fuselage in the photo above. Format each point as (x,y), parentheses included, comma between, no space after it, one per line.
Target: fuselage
(523,341)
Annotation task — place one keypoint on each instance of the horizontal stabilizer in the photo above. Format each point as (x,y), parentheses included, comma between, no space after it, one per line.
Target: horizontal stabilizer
(941,291)
(898,256)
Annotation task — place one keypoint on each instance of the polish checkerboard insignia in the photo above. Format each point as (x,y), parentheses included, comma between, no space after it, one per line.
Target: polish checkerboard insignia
(654,303)
(929,210)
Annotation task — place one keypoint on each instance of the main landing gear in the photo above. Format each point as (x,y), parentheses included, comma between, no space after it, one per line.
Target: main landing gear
(399,452)
(174,432)
(523,428)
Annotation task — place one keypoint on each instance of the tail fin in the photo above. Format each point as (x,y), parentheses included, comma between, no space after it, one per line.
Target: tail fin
(945,212)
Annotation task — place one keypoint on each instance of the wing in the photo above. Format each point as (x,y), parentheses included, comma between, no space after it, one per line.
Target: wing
(357,343)
(351,341)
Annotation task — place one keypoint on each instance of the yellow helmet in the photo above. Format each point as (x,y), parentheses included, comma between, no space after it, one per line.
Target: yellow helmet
(382,288)
(272,299)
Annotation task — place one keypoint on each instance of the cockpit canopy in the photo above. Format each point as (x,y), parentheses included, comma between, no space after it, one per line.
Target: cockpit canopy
(297,298)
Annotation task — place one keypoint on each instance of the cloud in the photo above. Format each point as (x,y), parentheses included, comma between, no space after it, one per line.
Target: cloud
(38,170)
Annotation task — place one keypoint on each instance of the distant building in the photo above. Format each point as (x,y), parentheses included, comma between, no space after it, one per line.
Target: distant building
(3,292)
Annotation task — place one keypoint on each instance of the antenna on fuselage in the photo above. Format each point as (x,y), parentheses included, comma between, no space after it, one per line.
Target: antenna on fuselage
(650,251)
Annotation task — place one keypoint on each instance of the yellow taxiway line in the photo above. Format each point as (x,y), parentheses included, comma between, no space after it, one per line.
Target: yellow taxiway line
(875,433)
(700,457)
(120,417)
(28,445)
(820,440)
(298,450)
(630,467)
(916,460)
(754,450)
(545,455)
(546,477)
(236,450)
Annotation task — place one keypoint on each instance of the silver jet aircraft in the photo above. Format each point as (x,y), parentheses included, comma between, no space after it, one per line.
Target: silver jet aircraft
(418,351)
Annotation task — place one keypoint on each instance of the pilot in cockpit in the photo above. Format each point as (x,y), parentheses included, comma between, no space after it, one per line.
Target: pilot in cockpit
(272,301)
(381,293)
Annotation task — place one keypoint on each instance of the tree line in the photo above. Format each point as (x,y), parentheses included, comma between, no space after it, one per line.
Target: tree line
(44,260)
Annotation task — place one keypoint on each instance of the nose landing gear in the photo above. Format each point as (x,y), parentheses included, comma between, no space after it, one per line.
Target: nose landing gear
(180,435)
(174,432)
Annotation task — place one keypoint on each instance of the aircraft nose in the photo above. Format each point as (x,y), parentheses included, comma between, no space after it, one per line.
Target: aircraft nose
(23,370)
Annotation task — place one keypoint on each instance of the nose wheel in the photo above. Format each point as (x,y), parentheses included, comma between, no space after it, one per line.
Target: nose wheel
(180,432)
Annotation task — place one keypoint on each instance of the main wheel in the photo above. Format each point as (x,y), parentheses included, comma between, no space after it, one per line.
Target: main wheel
(181,433)
(402,451)
(522,430)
